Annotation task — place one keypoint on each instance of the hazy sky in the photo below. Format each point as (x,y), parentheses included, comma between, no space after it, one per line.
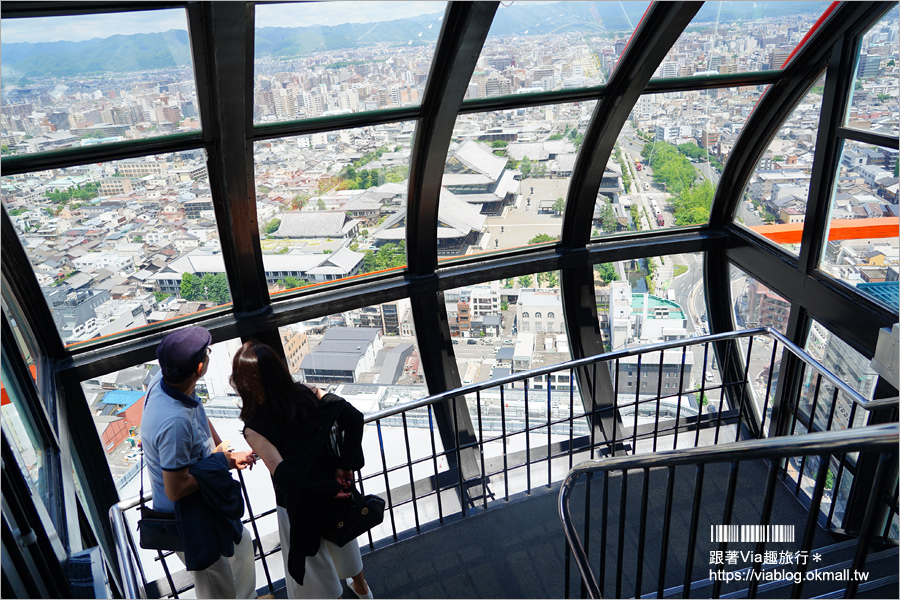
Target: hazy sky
(80,28)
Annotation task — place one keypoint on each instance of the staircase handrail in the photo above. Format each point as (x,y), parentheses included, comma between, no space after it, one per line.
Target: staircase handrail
(877,438)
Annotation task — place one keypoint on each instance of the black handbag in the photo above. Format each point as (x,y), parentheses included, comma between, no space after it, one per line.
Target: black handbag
(355,516)
(157,530)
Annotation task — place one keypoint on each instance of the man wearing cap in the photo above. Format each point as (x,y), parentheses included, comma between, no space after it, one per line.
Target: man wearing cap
(176,434)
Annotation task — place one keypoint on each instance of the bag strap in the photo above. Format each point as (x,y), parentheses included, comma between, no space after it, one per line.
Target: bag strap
(141,474)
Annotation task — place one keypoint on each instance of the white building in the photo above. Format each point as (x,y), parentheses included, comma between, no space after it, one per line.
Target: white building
(539,310)
(619,314)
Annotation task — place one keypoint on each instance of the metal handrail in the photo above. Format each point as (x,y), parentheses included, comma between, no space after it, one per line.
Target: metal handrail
(878,437)
(124,542)
(127,571)
(855,396)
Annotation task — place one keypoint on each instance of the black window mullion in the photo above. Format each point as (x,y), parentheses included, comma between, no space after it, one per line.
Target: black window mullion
(21,285)
(828,149)
(868,137)
(74,157)
(222,36)
(650,43)
(441,372)
(463,32)
(41,422)
(777,104)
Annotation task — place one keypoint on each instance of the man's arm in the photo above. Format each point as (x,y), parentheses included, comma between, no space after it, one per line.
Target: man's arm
(179,484)
(215,434)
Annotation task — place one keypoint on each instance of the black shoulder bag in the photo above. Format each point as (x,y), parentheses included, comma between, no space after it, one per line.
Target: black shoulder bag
(157,530)
(357,514)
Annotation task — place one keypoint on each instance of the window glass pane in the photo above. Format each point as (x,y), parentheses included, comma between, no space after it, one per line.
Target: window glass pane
(507,176)
(864,209)
(501,329)
(67,82)
(504,327)
(316,59)
(20,432)
(848,365)
(122,244)
(22,333)
(333,205)
(873,105)
(535,47)
(368,356)
(756,305)
(658,298)
(775,200)
(669,156)
(650,300)
(737,37)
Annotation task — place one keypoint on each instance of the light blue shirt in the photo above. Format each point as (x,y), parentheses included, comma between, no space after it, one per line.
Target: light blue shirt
(174,434)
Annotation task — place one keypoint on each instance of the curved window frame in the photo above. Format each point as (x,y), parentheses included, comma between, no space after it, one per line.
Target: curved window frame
(228,137)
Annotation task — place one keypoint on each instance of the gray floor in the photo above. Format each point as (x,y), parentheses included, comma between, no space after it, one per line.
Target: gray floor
(517,550)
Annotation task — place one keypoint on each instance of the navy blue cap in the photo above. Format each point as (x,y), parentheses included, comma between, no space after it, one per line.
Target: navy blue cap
(181,351)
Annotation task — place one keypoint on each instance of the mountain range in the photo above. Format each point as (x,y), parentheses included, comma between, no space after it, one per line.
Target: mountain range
(28,62)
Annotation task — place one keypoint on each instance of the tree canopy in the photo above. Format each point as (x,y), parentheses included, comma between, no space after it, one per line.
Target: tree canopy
(273,225)
(608,221)
(607,273)
(692,205)
(386,257)
(212,286)
(291,282)
(541,238)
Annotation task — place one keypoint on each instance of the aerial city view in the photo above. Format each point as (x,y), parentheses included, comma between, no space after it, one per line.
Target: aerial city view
(125,244)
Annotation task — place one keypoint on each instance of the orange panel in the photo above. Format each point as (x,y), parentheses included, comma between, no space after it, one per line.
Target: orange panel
(841,229)
(4,397)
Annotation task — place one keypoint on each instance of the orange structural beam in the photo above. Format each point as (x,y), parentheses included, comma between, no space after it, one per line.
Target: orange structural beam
(840,229)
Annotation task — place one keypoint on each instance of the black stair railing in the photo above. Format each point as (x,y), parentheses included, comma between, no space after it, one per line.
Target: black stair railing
(683,470)
(532,428)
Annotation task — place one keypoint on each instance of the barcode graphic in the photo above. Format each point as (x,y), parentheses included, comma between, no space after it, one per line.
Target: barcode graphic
(752,533)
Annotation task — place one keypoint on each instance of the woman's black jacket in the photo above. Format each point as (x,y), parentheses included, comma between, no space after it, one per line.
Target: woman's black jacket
(305,482)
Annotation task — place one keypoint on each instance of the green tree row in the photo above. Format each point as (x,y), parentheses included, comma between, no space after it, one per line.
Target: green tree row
(669,166)
(691,201)
(291,282)
(367,178)
(606,272)
(608,221)
(626,171)
(83,193)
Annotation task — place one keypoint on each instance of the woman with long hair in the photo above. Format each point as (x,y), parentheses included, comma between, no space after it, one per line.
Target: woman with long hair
(288,425)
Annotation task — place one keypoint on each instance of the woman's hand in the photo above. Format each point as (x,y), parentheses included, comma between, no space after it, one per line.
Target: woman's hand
(242,460)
